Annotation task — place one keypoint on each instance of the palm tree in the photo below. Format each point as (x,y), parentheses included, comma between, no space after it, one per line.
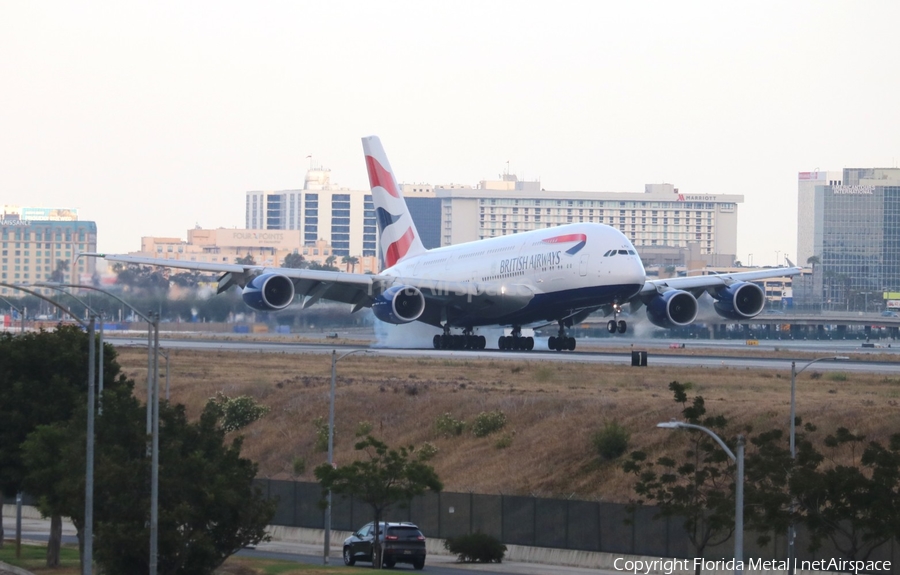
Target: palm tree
(350,262)
(329,261)
(813,261)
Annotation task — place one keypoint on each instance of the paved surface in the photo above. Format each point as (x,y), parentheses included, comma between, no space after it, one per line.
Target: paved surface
(37,530)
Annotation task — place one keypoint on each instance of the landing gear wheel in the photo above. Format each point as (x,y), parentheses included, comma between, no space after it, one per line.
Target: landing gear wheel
(611,326)
(621,326)
(349,559)
(436,341)
(529,343)
(570,344)
(551,343)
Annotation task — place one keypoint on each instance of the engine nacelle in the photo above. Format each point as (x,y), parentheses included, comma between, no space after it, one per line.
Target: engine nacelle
(740,300)
(269,292)
(399,304)
(673,308)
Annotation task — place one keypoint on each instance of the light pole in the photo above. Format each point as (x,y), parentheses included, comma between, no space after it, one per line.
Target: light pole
(100,359)
(88,554)
(152,405)
(792,532)
(739,486)
(334,359)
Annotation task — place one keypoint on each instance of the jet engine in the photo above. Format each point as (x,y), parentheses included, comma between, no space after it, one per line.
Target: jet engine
(740,300)
(269,292)
(399,304)
(673,308)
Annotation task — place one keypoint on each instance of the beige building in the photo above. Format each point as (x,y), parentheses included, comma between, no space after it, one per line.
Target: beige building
(267,247)
(705,224)
(33,242)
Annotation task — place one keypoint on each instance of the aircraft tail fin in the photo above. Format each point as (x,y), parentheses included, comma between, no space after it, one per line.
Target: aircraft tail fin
(396,231)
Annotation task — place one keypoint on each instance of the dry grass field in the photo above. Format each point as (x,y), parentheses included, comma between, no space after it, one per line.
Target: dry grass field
(552,409)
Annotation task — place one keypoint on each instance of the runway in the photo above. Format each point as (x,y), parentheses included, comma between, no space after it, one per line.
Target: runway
(714,353)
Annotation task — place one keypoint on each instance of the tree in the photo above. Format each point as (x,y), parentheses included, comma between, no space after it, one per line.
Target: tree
(813,261)
(189,279)
(43,381)
(700,487)
(386,477)
(247,260)
(208,506)
(61,272)
(350,262)
(294,260)
(144,278)
(852,506)
(329,261)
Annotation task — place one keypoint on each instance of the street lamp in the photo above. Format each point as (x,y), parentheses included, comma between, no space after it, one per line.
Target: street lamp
(792,533)
(89,309)
(334,359)
(739,485)
(152,406)
(88,554)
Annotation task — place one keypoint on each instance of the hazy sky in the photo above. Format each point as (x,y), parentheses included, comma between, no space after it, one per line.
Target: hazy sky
(151,118)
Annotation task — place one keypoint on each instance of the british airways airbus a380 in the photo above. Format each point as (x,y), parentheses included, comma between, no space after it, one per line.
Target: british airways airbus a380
(554,275)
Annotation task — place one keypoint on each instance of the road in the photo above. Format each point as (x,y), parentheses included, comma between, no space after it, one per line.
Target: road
(37,530)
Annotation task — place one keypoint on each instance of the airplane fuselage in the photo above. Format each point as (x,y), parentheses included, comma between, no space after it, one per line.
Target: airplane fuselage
(564,269)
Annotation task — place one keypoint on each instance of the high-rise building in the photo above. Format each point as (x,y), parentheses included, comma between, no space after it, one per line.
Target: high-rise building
(343,218)
(849,228)
(45,247)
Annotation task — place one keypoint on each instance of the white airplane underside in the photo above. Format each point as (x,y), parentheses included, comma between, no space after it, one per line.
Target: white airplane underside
(553,275)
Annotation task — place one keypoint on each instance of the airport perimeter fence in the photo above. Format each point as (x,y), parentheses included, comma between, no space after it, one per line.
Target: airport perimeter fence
(539,522)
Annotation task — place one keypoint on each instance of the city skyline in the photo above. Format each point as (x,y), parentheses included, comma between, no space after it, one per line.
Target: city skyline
(153,119)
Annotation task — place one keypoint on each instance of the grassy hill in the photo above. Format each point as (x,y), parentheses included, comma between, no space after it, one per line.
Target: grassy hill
(551,408)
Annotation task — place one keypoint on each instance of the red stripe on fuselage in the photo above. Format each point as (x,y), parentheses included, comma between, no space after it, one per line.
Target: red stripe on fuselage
(379,177)
(399,248)
(566,238)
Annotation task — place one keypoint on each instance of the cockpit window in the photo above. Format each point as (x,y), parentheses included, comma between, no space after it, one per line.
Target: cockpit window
(623,252)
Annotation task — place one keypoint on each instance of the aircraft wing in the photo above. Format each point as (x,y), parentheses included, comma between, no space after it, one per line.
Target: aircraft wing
(486,298)
(697,284)
(312,284)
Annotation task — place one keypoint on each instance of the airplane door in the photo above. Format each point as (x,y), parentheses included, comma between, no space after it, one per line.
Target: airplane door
(583,265)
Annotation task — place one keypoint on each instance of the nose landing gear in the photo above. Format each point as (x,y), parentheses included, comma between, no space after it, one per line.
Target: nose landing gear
(613,326)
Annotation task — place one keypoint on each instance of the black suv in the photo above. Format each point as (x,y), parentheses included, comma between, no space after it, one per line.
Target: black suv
(403,543)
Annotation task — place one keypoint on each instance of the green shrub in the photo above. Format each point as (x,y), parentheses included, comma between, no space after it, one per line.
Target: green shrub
(837,376)
(445,425)
(322,434)
(235,412)
(476,548)
(487,422)
(504,441)
(611,441)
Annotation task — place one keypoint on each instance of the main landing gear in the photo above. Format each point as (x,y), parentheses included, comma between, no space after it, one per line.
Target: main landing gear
(515,341)
(613,326)
(561,342)
(467,340)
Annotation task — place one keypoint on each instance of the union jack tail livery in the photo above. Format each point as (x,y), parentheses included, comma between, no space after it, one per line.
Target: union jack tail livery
(397,232)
